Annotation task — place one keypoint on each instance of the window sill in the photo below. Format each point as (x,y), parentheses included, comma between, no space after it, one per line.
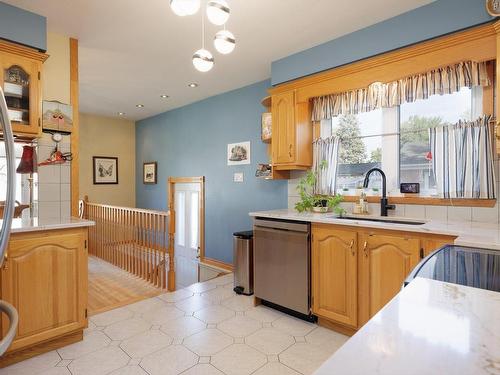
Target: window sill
(427,201)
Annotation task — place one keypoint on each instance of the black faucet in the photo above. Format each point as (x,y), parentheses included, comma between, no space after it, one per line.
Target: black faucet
(384,206)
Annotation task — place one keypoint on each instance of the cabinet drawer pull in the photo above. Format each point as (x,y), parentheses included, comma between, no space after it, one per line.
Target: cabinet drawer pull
(365,249)
(351,246)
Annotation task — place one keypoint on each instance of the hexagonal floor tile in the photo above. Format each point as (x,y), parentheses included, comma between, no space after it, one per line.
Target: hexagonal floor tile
(218,294)
(127,328)
(239,359)
(145,343)
(275,368)
(214,314)
(239,303)
(192,304)
(270,341)
(111,316)
(176,296)
(208,342)
(183,327)
(264,314)
(33,365)
(325,337)
(305,357)
(169,361)
(293,326)
(239,326)
(91,342)
(129,370)
(99,362)
(159,316)
(203,369)
(201,287)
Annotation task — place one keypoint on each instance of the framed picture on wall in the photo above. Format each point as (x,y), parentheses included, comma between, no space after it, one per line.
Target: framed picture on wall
(238,153)
(149,172)
(105,170)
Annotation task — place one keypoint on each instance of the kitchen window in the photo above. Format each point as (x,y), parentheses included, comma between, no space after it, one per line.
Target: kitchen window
(396,140)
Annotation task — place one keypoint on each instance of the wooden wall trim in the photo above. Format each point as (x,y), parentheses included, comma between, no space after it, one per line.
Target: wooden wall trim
(75,135)
(217,263)
(478,43)
(23,51)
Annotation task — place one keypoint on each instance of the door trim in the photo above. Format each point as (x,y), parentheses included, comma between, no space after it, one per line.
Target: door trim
(171,232)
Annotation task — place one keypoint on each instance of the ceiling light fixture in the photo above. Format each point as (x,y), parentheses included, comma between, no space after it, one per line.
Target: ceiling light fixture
(193,85)
(224,41)
(218,12)
(203,60)
(163,96)
(185,7)
(139,105)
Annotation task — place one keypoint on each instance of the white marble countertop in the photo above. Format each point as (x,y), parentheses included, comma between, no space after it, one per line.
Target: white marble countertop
(22,225)
(430,327)
(484,235)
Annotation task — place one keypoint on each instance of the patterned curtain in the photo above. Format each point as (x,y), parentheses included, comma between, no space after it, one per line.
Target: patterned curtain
(444,80)
(462,157)
(325,154)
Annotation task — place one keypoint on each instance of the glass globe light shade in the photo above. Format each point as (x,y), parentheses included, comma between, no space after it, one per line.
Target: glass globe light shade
(224,42)
(185,7)
(203,60)
(218,12)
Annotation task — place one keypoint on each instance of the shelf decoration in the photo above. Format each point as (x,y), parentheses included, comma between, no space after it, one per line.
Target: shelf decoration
(149,170)
(105,170)
(57,116)
(267,122)
(238,153)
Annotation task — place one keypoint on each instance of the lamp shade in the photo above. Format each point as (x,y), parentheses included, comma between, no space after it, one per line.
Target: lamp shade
(28,161)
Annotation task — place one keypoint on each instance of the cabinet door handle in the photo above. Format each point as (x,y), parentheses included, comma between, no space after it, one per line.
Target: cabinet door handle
(365,249)
(351,246)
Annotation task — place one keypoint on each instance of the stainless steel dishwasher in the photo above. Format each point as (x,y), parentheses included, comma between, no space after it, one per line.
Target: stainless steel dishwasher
(282,263)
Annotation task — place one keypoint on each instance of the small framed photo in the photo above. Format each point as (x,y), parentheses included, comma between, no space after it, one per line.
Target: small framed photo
(267,123)
(238,153)
(149,172)
(105,170)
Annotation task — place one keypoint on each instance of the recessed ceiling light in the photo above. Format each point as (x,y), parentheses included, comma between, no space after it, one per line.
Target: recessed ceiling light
(139,105)
(193,85)
(121,113)
(164,96)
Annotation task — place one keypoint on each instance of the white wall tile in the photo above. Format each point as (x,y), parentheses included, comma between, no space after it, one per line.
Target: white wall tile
(459,213)
(291,201)
(65,192)
(485,215)
(415,211)
(65,209)
(65,173)
(436,213)
(49,174)
(399,211)
(49,210)
(49,192)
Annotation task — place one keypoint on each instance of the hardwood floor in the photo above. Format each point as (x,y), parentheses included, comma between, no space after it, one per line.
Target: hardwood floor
(111,287)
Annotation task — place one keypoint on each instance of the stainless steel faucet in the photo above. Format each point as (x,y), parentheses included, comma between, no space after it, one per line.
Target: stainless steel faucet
(384,206)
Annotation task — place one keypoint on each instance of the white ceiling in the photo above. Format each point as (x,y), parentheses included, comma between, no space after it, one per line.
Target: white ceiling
(133,51)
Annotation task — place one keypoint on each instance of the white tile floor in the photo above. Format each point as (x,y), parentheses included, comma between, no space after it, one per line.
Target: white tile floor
(205,329)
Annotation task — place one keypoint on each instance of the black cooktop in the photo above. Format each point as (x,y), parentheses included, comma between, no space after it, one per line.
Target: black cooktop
(469,266)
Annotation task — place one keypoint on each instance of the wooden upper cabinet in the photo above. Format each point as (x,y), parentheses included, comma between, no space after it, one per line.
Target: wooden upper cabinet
(45,278)
(334,274)
(384,263)
(20,78)
(292,133)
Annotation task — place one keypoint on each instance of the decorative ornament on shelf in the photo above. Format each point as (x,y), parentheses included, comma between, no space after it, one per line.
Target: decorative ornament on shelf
(218,12)
(185,7)
(493,7)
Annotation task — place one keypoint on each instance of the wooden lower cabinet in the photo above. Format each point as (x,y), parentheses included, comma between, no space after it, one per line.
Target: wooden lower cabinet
(334,274)
(433,243)
(384,263)
(45,278)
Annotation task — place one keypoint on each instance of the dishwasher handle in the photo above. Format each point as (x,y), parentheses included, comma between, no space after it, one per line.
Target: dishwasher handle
(293,226)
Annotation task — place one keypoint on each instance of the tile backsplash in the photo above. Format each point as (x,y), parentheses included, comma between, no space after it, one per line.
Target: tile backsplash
(442,213)
(54,181)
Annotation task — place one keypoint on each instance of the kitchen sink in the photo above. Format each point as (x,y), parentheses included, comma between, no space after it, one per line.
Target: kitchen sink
(381,220)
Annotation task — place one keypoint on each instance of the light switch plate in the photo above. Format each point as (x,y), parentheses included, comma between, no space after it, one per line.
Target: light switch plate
(238,177)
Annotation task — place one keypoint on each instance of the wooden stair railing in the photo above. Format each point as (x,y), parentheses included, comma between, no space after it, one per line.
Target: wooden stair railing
(133,239)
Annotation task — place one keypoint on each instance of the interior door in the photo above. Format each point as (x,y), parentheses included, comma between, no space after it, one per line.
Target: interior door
(187,233)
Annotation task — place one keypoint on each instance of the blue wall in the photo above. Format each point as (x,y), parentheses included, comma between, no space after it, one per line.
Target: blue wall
(23,27)
(435,19)
(192,141)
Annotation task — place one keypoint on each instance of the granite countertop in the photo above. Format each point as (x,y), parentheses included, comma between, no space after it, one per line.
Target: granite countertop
(430,327)
(474,234)
(22,225)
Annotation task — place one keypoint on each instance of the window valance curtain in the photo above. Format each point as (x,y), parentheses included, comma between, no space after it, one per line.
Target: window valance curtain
(325,155)
(444,80)
(463,159)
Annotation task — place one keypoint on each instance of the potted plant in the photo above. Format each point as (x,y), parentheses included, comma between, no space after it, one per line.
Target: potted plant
(316,202)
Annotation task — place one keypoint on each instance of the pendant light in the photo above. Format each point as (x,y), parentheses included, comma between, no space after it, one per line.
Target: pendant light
(203,60)
(218,12)
(185,7)
(224,41)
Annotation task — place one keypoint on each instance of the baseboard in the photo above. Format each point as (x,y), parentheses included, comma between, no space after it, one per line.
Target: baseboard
(217,264)
(337,327)
(43,347)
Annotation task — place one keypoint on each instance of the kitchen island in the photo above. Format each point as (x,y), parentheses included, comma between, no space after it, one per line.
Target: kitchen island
(44,276)
(430,327)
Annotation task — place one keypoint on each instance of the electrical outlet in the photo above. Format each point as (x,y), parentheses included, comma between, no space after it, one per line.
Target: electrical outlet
(238,177)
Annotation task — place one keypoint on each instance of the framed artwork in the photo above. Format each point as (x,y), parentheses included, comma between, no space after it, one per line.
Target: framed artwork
(105,170)
(267,122)
(57,116)
(149,172)
(238,153)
